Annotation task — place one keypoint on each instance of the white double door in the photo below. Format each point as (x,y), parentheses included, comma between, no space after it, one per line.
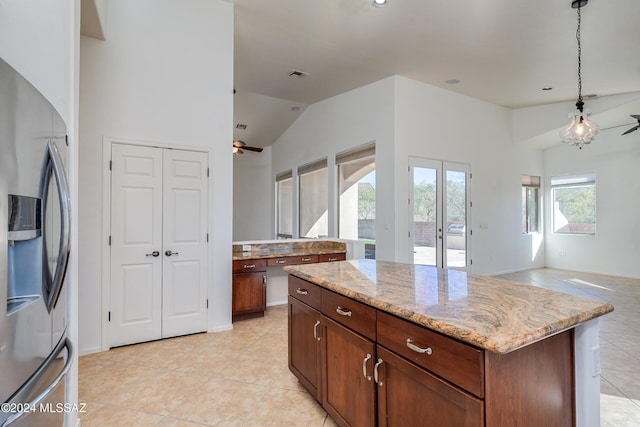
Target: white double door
(439,207)
(158,243)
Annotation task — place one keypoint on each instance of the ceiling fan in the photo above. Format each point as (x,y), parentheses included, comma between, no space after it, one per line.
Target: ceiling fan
(636,127)
(240,146)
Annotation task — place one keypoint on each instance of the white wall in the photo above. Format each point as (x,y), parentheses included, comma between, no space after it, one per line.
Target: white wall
(40,39)
(163,74)
(407,118)
(337,124)
(438,124)
(253,193)
(615,248)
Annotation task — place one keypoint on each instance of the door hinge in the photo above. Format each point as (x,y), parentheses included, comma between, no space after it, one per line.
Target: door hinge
(409,201)
(109,240)
(207,172)
(470,262)
(110,164)
(470,175)
(207,302)
(66,140)
(207,237)
(409,234)
(470,204)
(109,316)
(471,232)
(408,168)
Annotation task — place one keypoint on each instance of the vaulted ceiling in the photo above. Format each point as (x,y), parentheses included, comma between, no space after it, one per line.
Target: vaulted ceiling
(501,51)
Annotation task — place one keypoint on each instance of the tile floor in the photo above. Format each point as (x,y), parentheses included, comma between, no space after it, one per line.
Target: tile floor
(241,378)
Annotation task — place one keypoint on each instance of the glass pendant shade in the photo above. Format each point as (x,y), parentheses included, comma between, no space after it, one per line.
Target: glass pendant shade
(581,130)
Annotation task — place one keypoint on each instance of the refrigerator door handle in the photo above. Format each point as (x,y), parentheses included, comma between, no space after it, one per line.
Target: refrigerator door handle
(53,165)
(40,397)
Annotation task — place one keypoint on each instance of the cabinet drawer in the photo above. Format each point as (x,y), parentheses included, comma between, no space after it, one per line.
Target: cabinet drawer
(292,260)
(331,257)
(306,292)
(249,265)
(459,363)
(357,316)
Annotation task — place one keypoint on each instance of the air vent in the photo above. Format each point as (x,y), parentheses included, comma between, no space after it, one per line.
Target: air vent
(297,73)
(241,126)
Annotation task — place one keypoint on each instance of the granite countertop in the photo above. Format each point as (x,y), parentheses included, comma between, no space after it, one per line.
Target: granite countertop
(285,248)
(487,312)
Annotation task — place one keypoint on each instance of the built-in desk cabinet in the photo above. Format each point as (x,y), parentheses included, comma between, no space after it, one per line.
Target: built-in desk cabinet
(249,298)
(369,368)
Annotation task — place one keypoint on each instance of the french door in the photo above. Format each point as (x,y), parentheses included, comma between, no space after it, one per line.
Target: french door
(439,213)
(158,243)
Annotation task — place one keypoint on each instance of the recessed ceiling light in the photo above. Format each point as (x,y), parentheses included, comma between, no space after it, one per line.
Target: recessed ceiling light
(295,108)
(547,88)
(379,3)
(452,81)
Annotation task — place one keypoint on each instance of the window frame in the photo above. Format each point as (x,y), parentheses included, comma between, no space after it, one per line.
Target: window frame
(573,181)
(531,183)
(280,178)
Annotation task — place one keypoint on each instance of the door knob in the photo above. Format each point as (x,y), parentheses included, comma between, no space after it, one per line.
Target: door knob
(154,254)
(169,253)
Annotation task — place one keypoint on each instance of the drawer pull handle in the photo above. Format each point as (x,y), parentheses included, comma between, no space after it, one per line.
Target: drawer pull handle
(375,372)
(364,367)
(306,259)
(281,261)
(332,259)
(315,330)
(417,349)
(341,311)
(302,291)
(249,266)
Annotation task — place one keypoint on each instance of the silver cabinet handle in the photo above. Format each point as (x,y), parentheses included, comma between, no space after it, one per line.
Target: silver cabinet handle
(364,367)
(169,253)
(315,330)
(417,349)
(153,254)
(306,259)
(302,291)
(264,281)
(332,259)
(249,266)
(53,165)
(375,372)
(341,311)
(281,261)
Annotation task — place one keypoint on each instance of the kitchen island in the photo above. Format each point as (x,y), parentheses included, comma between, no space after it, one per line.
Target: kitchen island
(416,344)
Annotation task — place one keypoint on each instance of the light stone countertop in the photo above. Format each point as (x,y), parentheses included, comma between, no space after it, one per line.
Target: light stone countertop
(487,312)
(282,248)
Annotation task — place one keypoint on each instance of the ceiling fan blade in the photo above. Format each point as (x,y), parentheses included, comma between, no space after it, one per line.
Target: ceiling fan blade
(239,144)
(632,129)
(636,116)
(256,149)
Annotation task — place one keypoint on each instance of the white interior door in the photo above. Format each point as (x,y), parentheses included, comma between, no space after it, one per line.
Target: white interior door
(158,243)
(136,243)
(184,308)
(439,213)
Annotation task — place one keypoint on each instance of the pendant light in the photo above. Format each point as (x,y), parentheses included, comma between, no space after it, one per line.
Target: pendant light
(581,130)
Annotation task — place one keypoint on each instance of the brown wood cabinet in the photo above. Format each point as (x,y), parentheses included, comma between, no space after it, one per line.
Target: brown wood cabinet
(249,297)
(367,367)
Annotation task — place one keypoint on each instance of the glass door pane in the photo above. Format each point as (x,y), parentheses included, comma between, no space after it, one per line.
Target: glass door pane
(456,219)
(425,216)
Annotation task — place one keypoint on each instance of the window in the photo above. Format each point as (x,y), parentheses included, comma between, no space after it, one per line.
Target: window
(530,204)
(574,204)
(357,196)
(284,205)
(313,199)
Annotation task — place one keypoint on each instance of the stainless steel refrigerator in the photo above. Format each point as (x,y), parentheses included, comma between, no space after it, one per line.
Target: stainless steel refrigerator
(35,354)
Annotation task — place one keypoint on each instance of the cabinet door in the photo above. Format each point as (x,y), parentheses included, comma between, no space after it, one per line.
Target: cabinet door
(304,345)
(249,294)
(348,390)
(408,395)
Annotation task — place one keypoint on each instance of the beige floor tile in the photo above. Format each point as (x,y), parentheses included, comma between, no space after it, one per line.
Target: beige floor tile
(220,402)
(102,385)
(253,369)
(618,412)
(286,407)
(160,393)
(115,416)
